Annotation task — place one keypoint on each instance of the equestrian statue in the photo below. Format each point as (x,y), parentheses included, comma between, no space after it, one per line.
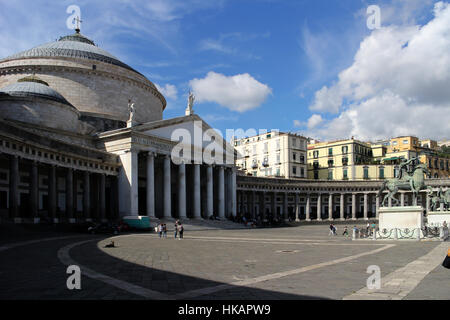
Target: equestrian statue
(409,180)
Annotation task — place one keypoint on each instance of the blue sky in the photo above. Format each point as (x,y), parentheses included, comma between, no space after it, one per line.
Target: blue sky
(292,65)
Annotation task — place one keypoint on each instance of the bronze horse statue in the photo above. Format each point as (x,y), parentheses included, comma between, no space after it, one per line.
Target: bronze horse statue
(414,183)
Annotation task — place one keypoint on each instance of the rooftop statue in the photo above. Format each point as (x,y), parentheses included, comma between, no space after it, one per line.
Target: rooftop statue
(410,180)
(132,110)
(190,104)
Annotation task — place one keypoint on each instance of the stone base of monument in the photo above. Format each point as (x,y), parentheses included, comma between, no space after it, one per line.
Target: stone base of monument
(437,218)
(402,219)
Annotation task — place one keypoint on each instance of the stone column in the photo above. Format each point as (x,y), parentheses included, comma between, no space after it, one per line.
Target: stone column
(262,205)
(52,193)
(34,191)
(151,185)
(182,191)
(86,196)
(402,199)
(69,195)
(319,206)
(197,205)
(274,205)
(209,192)
(377,205)
(233,191)
(285,207)
(102,197)
(253,204)
(353,206)
(128,184)
(342,207)
(297,209)
(167,212)
(308,207)
(365,207)
(14,188)
(221,193)
(330,207)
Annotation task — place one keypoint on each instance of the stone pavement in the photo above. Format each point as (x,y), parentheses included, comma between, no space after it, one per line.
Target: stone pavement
(210,263)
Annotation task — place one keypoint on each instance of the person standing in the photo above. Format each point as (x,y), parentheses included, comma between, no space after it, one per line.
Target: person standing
(180,231)
(164,229)
(160,229)
(176,227)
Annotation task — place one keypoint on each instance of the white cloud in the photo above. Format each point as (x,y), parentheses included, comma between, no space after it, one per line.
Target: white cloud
(397,84)
(314,121)
(239,93)
(298,123)
(169,91)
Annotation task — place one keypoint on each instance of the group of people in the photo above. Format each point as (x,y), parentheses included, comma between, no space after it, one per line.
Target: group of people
(162,230)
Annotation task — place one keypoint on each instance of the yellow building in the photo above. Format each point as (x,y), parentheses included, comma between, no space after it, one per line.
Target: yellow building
(347,160)
(438,165)
(405,143)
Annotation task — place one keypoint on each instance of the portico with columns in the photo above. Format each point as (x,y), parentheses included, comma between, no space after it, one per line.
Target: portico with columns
(162,183)
(309,200)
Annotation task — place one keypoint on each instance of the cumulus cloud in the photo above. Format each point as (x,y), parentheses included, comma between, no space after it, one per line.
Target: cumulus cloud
(397,84)
(314,121)
(169,91)
(239,93)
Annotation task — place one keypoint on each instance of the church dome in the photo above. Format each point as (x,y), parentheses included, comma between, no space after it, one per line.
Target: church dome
(89,78)
(71,46)
(31,100)
(32,86)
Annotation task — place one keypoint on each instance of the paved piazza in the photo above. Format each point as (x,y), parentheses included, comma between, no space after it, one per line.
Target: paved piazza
(300,262)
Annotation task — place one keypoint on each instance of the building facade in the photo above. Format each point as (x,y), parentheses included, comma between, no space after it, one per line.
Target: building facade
(82,138)
(272,154)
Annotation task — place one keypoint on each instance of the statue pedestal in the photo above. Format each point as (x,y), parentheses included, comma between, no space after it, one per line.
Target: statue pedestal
(437,218)
(410,217)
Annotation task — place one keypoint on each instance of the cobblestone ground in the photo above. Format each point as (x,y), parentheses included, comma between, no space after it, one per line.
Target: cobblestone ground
(301,262)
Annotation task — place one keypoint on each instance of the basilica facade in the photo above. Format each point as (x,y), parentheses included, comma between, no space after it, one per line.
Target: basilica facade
(71,150)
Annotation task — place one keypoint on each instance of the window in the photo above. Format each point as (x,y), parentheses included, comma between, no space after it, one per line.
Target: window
(345,149)
(405,141)
(302,160)
(302,172)
(294,142)
(294,170)
(394,143)
(330,175)
(316,154)
(345,174)
(344,161)
(330,163)
(316,175)
(278,158)
(381,173)
(330,151)
(277,171)
(316,165)
(395,172)
(294,156)
(366,173)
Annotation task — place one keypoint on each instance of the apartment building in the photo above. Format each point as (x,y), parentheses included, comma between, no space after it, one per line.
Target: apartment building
(272,154)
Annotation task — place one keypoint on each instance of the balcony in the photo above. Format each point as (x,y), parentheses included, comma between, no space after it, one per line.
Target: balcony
(265,163)
(254,165)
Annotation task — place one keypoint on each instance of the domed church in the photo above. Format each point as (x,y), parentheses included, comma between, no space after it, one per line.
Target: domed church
(82,137)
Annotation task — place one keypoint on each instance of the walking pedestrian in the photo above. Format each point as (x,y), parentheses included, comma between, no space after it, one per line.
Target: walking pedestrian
(345,233)
(164,230)
(331,230)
